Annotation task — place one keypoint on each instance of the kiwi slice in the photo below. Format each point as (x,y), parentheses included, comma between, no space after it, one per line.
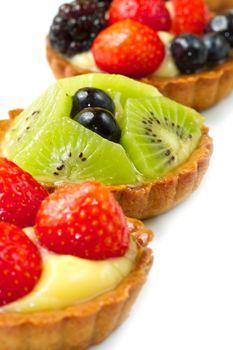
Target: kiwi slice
(159,134)
(53,104)
(67,152)
(119,87)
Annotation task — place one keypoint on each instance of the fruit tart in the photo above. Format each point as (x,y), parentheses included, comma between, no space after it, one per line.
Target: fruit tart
(152,152)
(70,279)
(177,46)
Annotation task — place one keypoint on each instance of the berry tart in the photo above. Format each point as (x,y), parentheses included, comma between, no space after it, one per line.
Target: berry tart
(177,46)
(70,279)
(151,151)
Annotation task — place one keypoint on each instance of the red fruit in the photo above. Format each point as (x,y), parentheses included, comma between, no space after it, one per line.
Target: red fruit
(189,16)
(20,195)
(129,48)
(83,220)
(150,12)
(20,264)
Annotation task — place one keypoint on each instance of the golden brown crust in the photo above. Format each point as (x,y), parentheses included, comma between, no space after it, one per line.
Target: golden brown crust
(218,5)
(80,326)
(199,91)
(146,200)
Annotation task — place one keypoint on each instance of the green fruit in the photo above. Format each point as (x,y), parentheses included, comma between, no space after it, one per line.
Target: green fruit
(159,134)
(119,87)
(53,104)
(68,152)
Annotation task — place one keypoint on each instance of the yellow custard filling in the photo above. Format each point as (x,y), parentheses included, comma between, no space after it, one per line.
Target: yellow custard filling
(67,280)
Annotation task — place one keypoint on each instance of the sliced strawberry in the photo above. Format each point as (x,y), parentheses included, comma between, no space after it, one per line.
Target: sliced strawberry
(20,263)
(129,48)
(20,195)
(83,220)
(150,12)
(189,16)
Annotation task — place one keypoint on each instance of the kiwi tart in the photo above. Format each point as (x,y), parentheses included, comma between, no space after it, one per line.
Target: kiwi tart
(162,153)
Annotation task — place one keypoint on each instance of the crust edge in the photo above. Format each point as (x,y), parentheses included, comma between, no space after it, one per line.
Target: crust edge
(199,91)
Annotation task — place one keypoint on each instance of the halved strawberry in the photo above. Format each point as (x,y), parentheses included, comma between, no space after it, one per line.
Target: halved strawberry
(20,263)
(83,220)
(189,16)
(20,195)
(129,48)
(150,12)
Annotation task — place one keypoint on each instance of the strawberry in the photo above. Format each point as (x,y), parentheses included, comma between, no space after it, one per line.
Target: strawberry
(83,220)
(150,12)
(129,48)
(20,195)
(20,263)
(189,16)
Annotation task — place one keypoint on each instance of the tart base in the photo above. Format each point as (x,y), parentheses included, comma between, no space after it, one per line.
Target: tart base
(145,200)
(199,91)
(83,325)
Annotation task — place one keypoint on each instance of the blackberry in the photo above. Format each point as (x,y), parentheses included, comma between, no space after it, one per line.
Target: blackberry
(76,25)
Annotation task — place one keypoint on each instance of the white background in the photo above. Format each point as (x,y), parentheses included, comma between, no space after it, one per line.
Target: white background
(187,303)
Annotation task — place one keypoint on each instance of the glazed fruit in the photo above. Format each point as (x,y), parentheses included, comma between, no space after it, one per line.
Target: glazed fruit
(150,12)
(20,195)
(222,24)
(91,97)
(76,25)
(218,48)
(129,48)
(101,122)
(32,121)
(159,134)
(189,16)
(83,220)
(118,87)
(189,53)
(20,263)
(65,151)
(73,153)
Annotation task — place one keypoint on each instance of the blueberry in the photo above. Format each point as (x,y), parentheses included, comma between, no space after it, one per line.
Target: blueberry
(101,122)
(189,53)
(218,47)
(91,97)
(222,24)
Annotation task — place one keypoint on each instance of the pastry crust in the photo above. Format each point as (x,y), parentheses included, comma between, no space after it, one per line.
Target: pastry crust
(83,325)
(217,5)
(199,91)
(146,200)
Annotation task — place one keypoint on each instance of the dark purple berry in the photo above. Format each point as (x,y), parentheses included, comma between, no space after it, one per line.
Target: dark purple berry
(101,122)
(222,24)
(218,48)
(76,25)
(89,97)
(189,53)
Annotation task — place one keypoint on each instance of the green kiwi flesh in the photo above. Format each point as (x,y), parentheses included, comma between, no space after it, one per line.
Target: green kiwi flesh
(53,104)
(67,152)
(119,87)
(159,134)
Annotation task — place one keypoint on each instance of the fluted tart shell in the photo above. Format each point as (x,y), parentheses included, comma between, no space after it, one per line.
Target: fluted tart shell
(80,326)
(199,91)
(148,199)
